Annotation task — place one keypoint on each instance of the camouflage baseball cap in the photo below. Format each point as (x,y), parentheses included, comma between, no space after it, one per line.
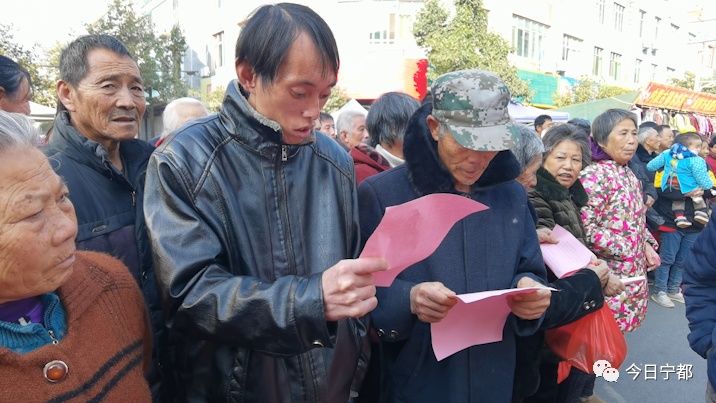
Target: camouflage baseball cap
(473,105)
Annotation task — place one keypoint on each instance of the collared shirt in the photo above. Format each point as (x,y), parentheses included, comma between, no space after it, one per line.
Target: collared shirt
(392,159)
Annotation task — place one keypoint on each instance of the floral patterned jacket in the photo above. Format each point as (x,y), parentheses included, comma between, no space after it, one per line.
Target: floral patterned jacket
(615,227)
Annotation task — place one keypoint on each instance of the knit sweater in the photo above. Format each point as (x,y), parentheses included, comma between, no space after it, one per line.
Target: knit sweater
(106,348)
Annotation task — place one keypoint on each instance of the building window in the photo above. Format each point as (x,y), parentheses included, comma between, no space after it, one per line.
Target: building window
(637,71)
(570,47)
(670,71)
(175,4)
(618,17)
(601,8)
(657,22)
(642,17)
(384,34)
(615,65)
(597,62)
(219,40)
(528,37)
(653,71)
(692,38)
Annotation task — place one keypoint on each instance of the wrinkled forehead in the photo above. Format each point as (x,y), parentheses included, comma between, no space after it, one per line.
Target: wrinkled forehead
(104,63)
(24,173)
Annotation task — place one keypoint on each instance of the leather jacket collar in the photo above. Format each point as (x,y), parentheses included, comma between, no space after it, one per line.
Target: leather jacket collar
(237,116)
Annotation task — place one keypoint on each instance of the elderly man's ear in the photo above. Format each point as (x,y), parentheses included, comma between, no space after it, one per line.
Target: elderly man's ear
(64,94)
(434,126)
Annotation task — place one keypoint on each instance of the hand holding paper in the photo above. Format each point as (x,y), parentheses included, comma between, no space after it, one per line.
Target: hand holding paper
(529,305)
(566,256)
(410,232)
(348,290)
(476,318)
(431,301)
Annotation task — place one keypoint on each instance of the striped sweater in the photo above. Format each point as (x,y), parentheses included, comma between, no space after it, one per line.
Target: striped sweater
(106,349)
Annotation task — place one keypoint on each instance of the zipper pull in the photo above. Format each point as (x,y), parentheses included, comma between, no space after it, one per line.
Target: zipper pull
(134,198)
(284,153)
(52,336)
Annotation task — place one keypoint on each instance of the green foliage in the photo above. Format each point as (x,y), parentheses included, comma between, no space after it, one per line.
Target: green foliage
(41,73)
(465,43)
(606,91)
(159,56)
(689,81)
(585,90)
(336,100)
(212,100)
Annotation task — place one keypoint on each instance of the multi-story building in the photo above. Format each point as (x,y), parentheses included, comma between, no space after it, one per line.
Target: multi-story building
(624,42)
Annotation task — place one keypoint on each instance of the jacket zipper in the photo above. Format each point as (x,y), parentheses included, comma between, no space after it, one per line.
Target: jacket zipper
(134,198)
(52,336)
(284,216)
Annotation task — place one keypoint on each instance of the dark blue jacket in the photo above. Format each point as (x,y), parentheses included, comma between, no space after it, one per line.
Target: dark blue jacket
(485,251)
(108,204)
(700,294)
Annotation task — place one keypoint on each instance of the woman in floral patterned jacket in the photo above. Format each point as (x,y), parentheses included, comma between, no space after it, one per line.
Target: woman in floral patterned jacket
(614,219)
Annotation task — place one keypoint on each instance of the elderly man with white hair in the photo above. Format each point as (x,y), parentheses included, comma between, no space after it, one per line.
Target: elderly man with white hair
(351,129)
(178,112)
(649,142)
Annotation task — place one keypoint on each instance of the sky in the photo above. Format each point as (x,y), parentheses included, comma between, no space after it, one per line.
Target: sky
(45,22)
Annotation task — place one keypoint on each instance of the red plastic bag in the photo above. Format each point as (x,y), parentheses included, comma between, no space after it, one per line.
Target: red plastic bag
(587,340)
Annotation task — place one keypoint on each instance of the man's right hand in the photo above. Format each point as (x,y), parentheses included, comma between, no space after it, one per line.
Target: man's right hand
(431,301)
(544,235)
(348,288)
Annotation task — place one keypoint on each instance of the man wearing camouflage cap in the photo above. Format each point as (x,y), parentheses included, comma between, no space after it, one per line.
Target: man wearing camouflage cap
(457,144)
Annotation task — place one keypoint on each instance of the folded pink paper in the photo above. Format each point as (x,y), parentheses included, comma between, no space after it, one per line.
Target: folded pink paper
(477,318)
(412,231)
(566,256)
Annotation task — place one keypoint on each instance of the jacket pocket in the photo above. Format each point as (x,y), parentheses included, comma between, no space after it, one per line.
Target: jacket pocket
(237,384)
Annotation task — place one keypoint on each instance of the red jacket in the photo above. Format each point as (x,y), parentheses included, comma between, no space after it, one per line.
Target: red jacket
(367,162)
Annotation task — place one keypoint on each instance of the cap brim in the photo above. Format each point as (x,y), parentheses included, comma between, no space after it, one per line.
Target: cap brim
(485,138)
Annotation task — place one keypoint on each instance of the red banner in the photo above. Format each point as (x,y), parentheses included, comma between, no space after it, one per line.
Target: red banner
(675,98)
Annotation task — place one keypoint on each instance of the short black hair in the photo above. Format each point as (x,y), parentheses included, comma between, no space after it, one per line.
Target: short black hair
(11,75)
(651,124)
(388,117)
(269,32)
(568,132)
(660,128)
(687,138)
(325,117)
(541,119)
(712,142)
(582,124)
(73,59)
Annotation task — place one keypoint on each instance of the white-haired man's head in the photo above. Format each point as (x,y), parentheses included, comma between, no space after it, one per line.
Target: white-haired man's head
(180,111)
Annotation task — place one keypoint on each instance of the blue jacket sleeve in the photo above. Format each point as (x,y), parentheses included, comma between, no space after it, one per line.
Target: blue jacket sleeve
(658,162)
(701,173)
(700,291)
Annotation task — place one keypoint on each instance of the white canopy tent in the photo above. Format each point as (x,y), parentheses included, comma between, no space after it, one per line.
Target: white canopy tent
(527,114)
(41,113)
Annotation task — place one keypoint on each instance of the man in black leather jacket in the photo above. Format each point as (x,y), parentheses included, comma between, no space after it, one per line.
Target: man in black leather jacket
(251,214)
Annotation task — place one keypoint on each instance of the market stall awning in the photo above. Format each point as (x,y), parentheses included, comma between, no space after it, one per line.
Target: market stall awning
(590,110)
(677,99)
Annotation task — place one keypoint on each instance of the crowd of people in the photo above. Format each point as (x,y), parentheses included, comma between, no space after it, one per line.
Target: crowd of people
(219,260)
